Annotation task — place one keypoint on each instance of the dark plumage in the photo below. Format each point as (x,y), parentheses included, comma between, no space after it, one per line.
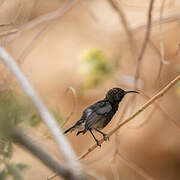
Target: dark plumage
(98,115)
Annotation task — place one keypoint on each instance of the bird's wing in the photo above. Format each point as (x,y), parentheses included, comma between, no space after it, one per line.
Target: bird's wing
(104,109)
(96,113)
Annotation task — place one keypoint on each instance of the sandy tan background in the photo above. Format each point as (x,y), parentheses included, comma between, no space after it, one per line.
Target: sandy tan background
(51,61)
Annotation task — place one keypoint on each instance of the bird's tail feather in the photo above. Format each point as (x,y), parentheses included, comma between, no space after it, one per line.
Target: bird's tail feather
(70,129)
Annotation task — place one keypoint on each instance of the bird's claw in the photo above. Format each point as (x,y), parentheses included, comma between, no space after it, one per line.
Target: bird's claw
(98,143)
(79,132)
(105,137)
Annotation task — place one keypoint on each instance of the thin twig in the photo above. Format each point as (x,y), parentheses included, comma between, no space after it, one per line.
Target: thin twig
(163,61)
(178,49)
(148,103)
(60,12)
(64,171)
(114,170)
(142,123)
(31,44)
(47,17)
(51,176)
(8,32)
(46,116)
(74,104)
(135,167)
(163,112)
(142,51)
(165,19)
(156,50)
(115,4)
(145,42)
(128,162)
(162,54)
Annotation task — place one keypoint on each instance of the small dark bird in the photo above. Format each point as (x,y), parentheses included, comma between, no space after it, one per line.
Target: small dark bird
(98,115)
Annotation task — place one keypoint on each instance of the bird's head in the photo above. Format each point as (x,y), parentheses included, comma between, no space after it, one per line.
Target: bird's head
(115,95)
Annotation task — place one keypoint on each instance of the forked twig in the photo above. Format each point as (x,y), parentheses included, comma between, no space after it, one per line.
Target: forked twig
(148,103)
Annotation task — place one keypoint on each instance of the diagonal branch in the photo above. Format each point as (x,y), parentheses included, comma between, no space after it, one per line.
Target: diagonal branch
(64,171)
(164,20)
(117,7)
(44,18)
(46,116)
(147,104)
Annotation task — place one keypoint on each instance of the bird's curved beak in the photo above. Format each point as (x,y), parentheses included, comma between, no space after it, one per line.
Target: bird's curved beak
(126,92)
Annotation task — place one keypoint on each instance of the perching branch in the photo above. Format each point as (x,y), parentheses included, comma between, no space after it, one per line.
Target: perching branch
(147,104)
(64,171)
(46,116)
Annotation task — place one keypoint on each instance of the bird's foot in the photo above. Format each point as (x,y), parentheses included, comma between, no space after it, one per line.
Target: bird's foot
(98,143)
(106,137)
(79,132)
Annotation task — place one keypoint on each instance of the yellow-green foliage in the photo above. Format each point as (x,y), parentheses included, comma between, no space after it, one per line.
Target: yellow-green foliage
(95,68)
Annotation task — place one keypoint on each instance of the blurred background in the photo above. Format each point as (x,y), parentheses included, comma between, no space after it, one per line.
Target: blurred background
(73,54)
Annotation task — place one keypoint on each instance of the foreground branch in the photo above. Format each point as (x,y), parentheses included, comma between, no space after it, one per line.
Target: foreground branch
(148,103)
(65,172)
(46,116)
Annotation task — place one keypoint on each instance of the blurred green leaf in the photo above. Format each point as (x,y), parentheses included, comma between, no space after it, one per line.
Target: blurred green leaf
(21,166)
(6,148)
(4,174)
(14,171)
(96,68)
(58,118)
(16,110)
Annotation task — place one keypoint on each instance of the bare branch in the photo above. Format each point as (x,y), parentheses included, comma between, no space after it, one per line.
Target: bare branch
(31,44)
(156,50)
(64,171)
(178,50)
(117,7)
(164,113)
(74,104)
(134,166)
(148,103)
(47,17)
(163,61)
(166,19)
(46,116)
(8,32)
(145,42)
